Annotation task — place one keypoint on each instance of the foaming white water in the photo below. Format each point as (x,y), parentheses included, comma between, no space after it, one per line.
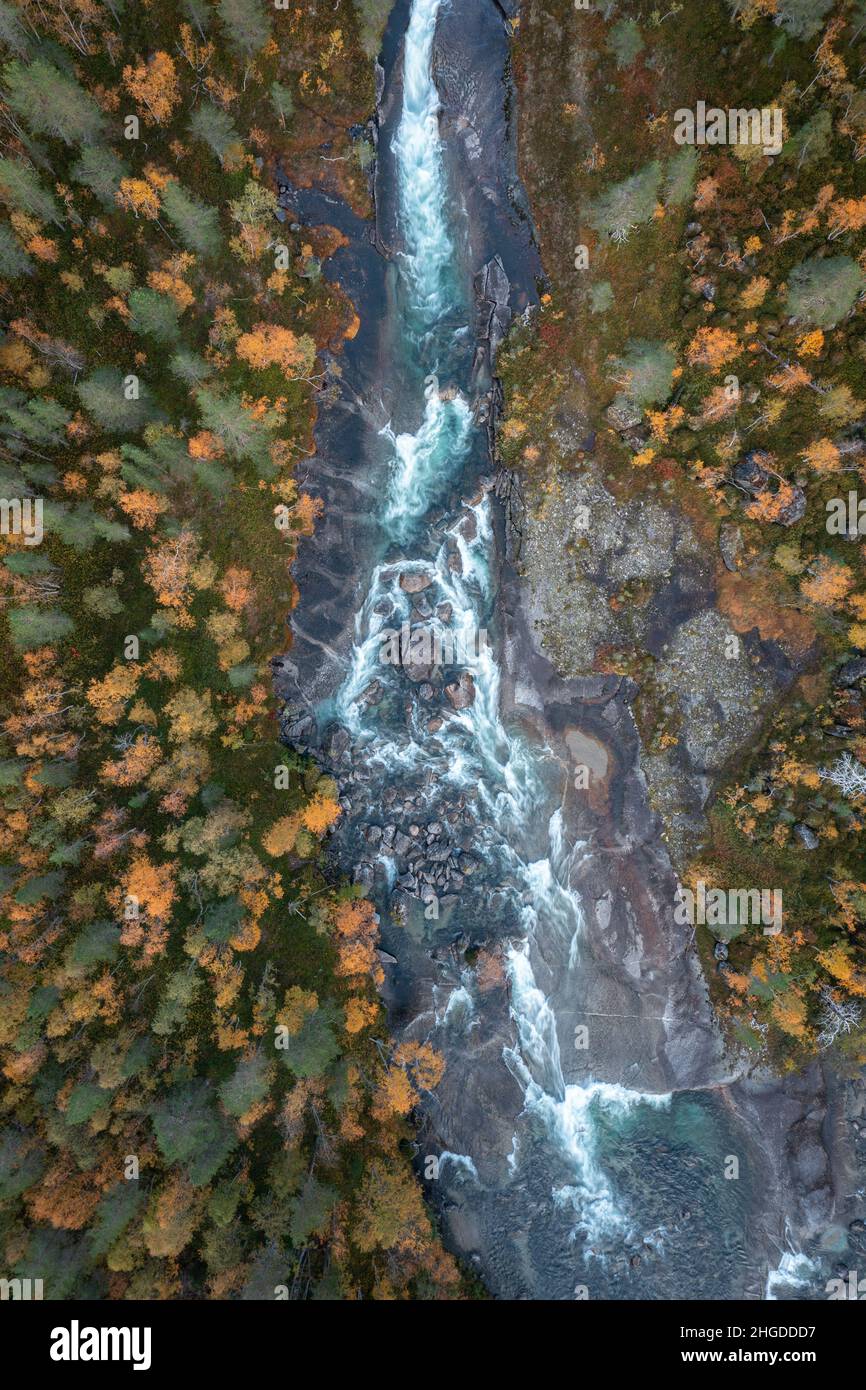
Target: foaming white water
(549,898)
(418,150)
(423,460)
(389,868)
(437,451)
(568,1111)
(462,1162)
(795,1271)
(459,1012)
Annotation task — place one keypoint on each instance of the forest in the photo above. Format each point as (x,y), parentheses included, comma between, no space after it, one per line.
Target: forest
(200,1095)
(730,382)
(207,1090)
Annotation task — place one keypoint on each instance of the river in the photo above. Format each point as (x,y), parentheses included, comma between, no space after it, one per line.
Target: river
(582,1143)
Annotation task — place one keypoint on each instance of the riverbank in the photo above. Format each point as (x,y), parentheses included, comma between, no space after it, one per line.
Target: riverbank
(623,566)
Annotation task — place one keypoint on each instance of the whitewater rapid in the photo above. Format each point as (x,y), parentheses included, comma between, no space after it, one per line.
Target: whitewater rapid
(513,787)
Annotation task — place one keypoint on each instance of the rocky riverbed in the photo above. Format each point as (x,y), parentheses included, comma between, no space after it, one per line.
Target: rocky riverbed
(588,1109)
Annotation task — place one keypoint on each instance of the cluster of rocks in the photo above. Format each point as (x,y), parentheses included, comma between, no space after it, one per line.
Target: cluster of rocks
(420,660)
(432,859)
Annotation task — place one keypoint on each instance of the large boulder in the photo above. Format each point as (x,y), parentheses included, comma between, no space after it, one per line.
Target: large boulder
(461,693)
(413,581)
